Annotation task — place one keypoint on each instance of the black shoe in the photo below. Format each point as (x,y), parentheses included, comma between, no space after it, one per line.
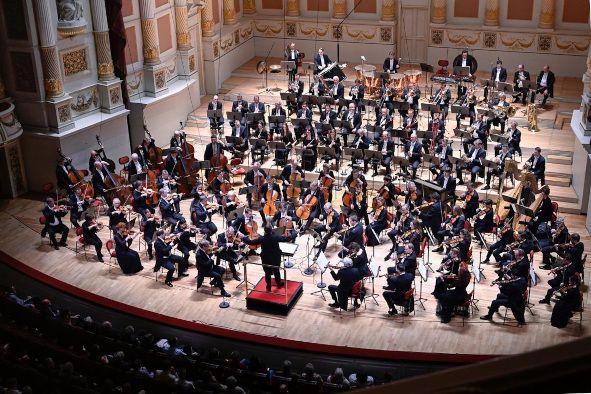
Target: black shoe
(169,284)
(486,317)
(392,312)
(268,288)
(544,301)
(438,249)
(183,274)
(236,277)
(334,305)
(486,187)
(226,294)
(446,320)
(100,258)
(281,284)
(485,261)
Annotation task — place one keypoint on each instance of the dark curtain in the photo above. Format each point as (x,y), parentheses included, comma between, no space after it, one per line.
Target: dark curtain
(118,41)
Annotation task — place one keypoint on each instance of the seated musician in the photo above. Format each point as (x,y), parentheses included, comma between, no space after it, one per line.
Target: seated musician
(303,113)
(357,93)
(218,185)
(545,82)
(516,263)
(165,181)
(544,212)
(214,151)
(240,222)
(473,162)
(411,94)
(278,110)
(332,140)
(328,115)
(452,291)
(260,150)
(360,259)
(450,227)
(470,197)
(500,107)
(450,264)
(358,200)
(484,220)
(310,145)
(327,177)
(207,268)
(317,87)
(331,225)
(510,296)
(215,105)
(297,87)
(500,170)
(284,214)
(356,177)
(389,191)
(94,157)
(337,90)
(117,214)
(446,181)
(443,152)
(409,122)
(256,106)
(168,210)
(78,204)
(433,217)
(321,60)
(573,250)
(178,139)
(201,216)
(143,149)
(240,105)
(395,292)
(140,194)
(347,276)
(227,244)
(557,243)
(384,120)
(254,177)
(441,99)
(127,258)
(99,176)
(150,225)
(361,141)
(388,95)
(269,190)
(391,64)
(518,88)
(402,226)
(286,136)
(537,165)
(413,197)
(569,301)
(468,100)
(90,228)
(354,119)
(413,151)
(412,235)
(290,173)
(185,245)
(134,167)
(53,215)
(514,139)
(437,129)
(164,257)
(480,131)
(171,161)
(497,74)
(505,237)
(230,202)
(378,222)
(386,147)
(313,196)
(407,261)
(353,233)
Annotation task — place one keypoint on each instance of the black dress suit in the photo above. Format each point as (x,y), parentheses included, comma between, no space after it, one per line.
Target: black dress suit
(432,217)
(539,169)
(396,290)
(53,225)
(91,238)
(549,86)
(292,56)
(450,186)
(347,278)
(476,167)
(98,183)
(219,121)
(414,154)
(354,234)
(318,62)
(520,91)
(207,268)
(270,255)
(385,122)
(165,259)
(390,65)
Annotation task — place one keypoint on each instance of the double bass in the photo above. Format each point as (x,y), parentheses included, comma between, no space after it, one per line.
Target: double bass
(116,184)
(156,162)
(103,156)
(77,177)
(184,166)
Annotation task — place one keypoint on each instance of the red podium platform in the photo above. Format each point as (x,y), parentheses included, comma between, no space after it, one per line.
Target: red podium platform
(276,300)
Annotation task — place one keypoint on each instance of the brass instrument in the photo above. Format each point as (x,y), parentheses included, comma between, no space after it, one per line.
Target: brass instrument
(505,112)
(437,97)
(532,117)
(564,289)
(355,91)
(294,86)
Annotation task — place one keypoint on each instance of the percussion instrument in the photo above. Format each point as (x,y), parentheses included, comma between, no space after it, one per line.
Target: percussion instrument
(413,76)
(398,81)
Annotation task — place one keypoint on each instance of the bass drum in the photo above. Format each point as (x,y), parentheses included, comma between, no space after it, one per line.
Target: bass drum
(458,61)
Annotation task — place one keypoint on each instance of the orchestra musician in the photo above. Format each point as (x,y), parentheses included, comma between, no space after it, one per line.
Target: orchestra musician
(290,171)
(240,105)
(450,264)
(409,121)
(395,292)
(292,55)
(227,242)
(117,214)
(325,176)
(278,110)
(140,194)
(255,174)
(99,175)
(286,136)
(256,106)
(332,140)
(170,209)
(510,296)
(470,198)
(413,151)
(432,217)
(240,222)
(557,243)
(90,228)
(61,175)
(569,301)
(446,181)
(360,260)
(128,259)
(201,216)
(185,245)
(497,74)
(313,196)
(514,139)
(94,157)
(437,129)
(391,64)
(260,149)
(473,161)
(352,117)
(545,85)
(537,165)
(411,94)
(348,276)
(407,261)
(387,94)
(544,212)
(271,190)
(518,78)
(321,60)
(78,205)
(215,105)
(214,150)
(450,227)
(386,147)
(484,220)
(468,100)
(357,93)
(384,120)
(317,87)
(353,233)
(164,258)
(177,140)
(389,191)
(441,99)
(378,222)
(443,152)
(517,263)
(500,170)
(303,113)
(454,292)
(150,225)
(218,185)
(328,115)
(331,225)
(500,106)
(411,235)
(143,149)
(207,268)
(165,181)
(361,141)
(403,225)
(505,237)
(230,202)
(310,145)
(285,212)
(480,131)
(464,61)
(413,197)
(135,167)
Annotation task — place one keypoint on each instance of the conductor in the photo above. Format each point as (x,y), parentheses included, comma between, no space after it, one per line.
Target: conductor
(270,254)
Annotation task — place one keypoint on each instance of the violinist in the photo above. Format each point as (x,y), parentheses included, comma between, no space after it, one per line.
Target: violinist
(260,149)
(386,147)
(563,273)
(516,265)
(279,111)
(270,193)
(168,210)
(128,259)
(407,261)
(437,130)
(504,239)
(165,181)
(61,175)
(289,174)
(220,186)
(446,181)
(53,223)
(117,214)
(78,204)
(326,178)
(468,100)
(552,240)
(331,225)
(357,93)
(332,140)
(472,162)
(230,202)
(353,122)
(140,194)
(450,227)
(413,197)
(378,222)
(207,268)
(470,198)
(213,153)
(394,293)
(413,151)
(484,220)
(443,152)
(284,216)
(569,301)
(360,260)
(227,243)
(150,225)
(510,296)
(432,217)
(575,249)
(310,145)
(384,120)
(135,167)
(328,115)
(215,105)
(453,291)
(464,244)
(201,217)
(314,199)
(405,231)
(347,276)
(500,170)
(164,258)
(185,245)
(240,106)
(254,177)
(99,175)
(449,265)
(239,223)
(353,233)
(90,228)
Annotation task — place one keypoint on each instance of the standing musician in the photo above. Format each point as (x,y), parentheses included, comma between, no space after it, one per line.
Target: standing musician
(537,165)
(214,105)
(450,227)
(117,214)
(386,147)
(353,233)
(227,244)
(269,191)
(170,163)
(201,217)
(545,82)
(315,198)
(480,131)
(140,194)
(411,94)
(378,222)
(326,179)
(391,64)
(433,217)
(442,98)
(500,107)
(90,228)
(254,177)
(292,55)
(150,225)
(127,258)
(505,237)
(467,100)
(94,157)
(331,225)
(497,74)
(500,170)
(213,151)
(484,220)
(289,173)
(170,210)
(446,181)
(470,198)
(472,161)
(278,110)
(321,60)
(510,296)
(135,167)
(99,175)
(395,292)
(569,301)
(413,151)
(78,205)
(443,152)
(384,120)
(518,78)
(544,212)
(357,93)
(413,197)
(61,175)
(337,91)
(354,118)
(164,257)
(464,61)
(241,106)
(270,254)
(348,276)
(207,268)
(387,94)
(185,245)
(452,291)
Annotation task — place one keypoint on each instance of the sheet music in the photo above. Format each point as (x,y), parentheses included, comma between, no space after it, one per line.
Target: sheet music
(287,248)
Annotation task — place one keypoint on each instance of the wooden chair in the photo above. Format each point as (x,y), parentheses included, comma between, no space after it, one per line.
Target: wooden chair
(112,252)
(81,242)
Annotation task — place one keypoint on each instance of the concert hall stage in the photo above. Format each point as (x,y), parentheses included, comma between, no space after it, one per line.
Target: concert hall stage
(275,301)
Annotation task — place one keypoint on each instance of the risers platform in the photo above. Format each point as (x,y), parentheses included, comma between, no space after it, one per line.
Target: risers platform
(274,301)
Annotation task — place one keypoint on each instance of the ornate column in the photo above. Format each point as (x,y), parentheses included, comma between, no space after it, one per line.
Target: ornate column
(293,8)
(249,7)
(547,13)
(183,39)
(388,10)
(101,40)
(229,12)
(52,76)
(339,9)
(151,48)
(491,13)
(207,22)
(438,11)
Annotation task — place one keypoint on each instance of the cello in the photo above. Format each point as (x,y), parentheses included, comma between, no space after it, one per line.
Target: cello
(305,210)
(270,209)
(326,182)
(252,228)
(77,177)
(156,162)
(292,190)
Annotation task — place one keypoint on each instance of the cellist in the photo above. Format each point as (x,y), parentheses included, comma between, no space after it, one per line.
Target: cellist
(213,153)
(269,194)
(254,177)
(289,174)
(314,199)
(326,177)
(284,215)
(220,186)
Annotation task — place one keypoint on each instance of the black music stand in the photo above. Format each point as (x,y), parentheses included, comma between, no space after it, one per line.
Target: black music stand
(234,116)
(323,127)
(426,68)
(356,154)
(486,112)
(325,100)
(401,162)
(300,122)
(215,114)
(289,65)
(505,87)
(374,156)
(459,109)
(489,83)
(247,190)
(383,75)
(499,138)
(432,159)
(253,118)
(276,120)
(288,97)
(453,161)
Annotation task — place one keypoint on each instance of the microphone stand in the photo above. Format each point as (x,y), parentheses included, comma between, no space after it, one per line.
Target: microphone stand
(339,35)
(309,270)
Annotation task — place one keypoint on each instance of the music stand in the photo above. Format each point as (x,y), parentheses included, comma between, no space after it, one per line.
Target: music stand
(289,65)
(505,87)
(435,160)
(322,263)
(374,268)
(234,116)
(383,75)
(254,117)
(276,120)
(499,138)
(458,109)
(426,68)
(323,127)
(401,161)
(325,100)
(462,71)
(247,190)
(424,273)
(300,122)
(234,140)
(476,272)
(486,112)
(324,151)
(288,97)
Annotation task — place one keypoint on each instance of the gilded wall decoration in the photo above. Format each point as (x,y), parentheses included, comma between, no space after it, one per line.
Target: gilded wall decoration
(63,113)
(437,36)
(361,34)
(290,29)
(70,18)
(115,95)
(337,32)
(246,33)
(10,127)
(516,42)
(269,29)
(171,69)
(75,61)
(490,40)
(463,40)
(571,46)
(160,78)
(191,63)
(544,43)
(227,44)
(23,72)
(237,37)
(216,50)
(385,34)
(313,30)
(85,100)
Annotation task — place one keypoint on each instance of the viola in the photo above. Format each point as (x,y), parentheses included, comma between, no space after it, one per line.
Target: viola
(384,193)
(287,224)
